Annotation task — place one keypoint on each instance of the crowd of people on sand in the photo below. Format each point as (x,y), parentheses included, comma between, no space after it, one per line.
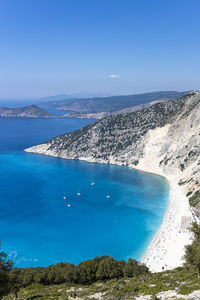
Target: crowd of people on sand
(172,236)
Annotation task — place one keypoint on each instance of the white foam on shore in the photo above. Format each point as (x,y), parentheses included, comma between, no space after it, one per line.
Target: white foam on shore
(167,249)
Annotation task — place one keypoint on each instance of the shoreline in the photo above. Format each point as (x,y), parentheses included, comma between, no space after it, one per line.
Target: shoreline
(167,248)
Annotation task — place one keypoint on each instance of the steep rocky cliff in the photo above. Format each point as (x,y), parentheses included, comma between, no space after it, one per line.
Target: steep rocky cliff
(163,139)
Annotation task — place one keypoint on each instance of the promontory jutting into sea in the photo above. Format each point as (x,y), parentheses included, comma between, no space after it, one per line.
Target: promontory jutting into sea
(125,206)
(99,150)
(60,199)
(118,186)
(161,139)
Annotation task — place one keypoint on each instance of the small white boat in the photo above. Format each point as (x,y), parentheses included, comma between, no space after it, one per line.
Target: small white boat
(108,196)
(64,197)
(69,205)
(78,194)
(92,183)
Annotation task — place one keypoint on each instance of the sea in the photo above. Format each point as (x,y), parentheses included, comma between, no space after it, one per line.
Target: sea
(55,210)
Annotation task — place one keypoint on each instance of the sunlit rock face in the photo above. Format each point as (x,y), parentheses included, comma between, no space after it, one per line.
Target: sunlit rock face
(163,138)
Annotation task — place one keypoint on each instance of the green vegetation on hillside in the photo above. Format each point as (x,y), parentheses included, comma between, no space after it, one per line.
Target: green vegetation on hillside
(184,280)
(113,103)
(116,135)
(5,267)
(195,198)
(115,280)
(192,255)
(87,272)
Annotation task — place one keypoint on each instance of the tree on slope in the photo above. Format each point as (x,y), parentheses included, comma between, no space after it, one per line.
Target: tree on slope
(5,267)
(133,268)
(192,254)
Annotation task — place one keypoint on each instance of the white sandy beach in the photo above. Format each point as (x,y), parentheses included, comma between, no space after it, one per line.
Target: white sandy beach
(167,248)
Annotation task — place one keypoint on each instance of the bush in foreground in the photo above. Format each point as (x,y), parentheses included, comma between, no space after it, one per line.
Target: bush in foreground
(5,267)
(87,272)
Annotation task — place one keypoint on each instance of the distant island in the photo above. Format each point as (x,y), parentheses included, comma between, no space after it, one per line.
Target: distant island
(30,111)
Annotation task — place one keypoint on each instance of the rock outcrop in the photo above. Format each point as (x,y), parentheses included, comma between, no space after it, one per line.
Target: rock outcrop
(163,139)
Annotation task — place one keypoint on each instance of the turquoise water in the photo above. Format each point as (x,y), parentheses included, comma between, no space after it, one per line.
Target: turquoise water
(38,227)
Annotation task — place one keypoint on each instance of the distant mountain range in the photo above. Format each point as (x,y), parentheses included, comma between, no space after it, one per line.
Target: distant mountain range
(100,115)
(31,111)
(94,108)
(108,105)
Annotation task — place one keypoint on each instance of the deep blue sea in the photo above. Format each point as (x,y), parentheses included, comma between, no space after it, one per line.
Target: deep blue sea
(38,227)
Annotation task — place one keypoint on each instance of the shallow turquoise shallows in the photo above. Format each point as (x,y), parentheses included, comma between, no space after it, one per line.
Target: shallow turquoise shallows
(50,212)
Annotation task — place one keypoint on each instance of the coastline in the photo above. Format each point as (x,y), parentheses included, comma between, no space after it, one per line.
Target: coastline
(162,141)
(167,248)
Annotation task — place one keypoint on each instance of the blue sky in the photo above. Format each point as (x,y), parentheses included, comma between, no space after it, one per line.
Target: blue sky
(50,47)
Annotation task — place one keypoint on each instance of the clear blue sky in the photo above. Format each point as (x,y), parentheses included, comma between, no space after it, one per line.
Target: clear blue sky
(98,46)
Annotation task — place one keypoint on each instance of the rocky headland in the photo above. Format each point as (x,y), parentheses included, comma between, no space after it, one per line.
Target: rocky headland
(30,111)
(163,139)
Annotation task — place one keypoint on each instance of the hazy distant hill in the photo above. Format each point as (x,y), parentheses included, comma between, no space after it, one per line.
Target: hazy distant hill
(26,111)
(103,114)
(70,97)
(55,98)
(111,104)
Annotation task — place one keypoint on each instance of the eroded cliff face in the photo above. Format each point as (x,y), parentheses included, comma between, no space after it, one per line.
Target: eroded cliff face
(163,139)
(174,149)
